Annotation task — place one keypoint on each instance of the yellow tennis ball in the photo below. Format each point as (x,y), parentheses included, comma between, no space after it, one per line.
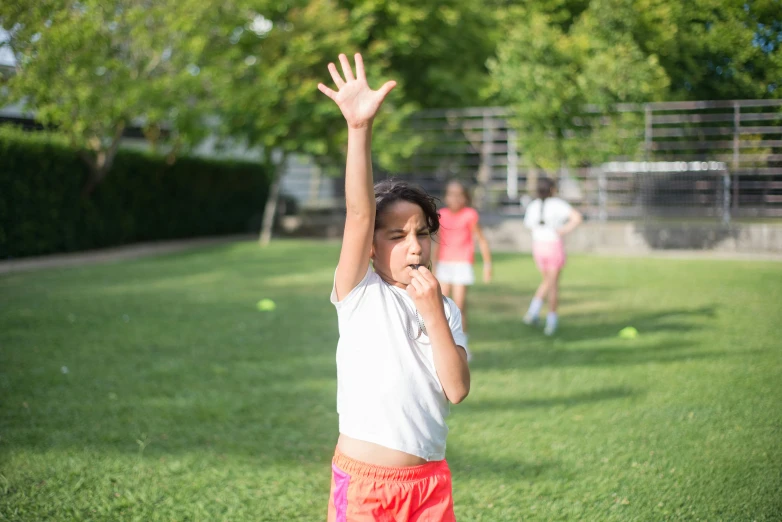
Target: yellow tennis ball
(628,333)
(266,305)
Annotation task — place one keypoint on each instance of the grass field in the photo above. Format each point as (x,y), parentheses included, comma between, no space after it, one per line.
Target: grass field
(154,390)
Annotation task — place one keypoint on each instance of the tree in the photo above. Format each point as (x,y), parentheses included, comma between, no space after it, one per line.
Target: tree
(564,61)
(558,81)
(439,51)
(718,49)
(92,68)
(271,101)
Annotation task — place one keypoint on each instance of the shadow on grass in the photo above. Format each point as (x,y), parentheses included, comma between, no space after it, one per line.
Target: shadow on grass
(471,465)
(197,371)
(607,394)
(512,300)
(534,350)
(272,401)
(275,425)
(541,357)
(676,321)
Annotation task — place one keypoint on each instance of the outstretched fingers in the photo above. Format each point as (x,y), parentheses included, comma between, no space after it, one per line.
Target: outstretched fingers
(328,92)
(386,88)
(369,101)
(335,76)
(360,74)
(346,70)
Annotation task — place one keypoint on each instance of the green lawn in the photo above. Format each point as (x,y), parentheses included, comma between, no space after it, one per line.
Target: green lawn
(154,390)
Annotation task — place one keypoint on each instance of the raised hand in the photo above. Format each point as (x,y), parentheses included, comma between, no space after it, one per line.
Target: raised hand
(359,104)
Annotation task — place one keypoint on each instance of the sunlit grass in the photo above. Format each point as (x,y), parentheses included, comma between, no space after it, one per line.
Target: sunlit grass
(155,390)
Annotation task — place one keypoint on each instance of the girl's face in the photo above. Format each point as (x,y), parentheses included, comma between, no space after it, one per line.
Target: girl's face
(401,241)
(455,198)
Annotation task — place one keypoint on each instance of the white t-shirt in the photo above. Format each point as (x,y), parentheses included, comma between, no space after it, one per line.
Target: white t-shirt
(556,212)
(388,392)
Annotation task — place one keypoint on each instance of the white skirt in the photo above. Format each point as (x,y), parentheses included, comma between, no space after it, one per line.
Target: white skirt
(455,273)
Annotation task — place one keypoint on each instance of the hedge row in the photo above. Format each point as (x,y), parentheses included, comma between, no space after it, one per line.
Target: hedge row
(141,199)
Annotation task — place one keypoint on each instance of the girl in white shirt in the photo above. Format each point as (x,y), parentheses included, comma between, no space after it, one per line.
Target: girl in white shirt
(401,356)
(550,219)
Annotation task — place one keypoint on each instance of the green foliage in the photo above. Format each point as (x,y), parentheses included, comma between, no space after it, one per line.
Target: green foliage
(559,81)
(247,69)
(564,61)
(278,54)
(42,211)
(91,68)
(438,52)
(722,49)
(183,402)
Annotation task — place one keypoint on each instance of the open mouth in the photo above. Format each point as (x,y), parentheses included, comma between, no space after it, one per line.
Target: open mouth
(414,267)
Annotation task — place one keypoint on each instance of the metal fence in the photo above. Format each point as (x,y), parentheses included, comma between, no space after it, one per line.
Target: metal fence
(717,160)
(720,159)
(477,145)
(658,190)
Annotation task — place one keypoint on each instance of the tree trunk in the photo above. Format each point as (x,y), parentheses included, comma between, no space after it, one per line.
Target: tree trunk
(92,182)
(532,180)
(483,143)
(101,163)
(270,209)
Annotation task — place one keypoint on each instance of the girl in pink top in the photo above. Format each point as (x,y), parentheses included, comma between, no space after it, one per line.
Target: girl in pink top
(454,251)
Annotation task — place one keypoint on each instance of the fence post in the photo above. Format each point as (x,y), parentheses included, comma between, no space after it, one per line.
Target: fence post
(736,153)
(647,132)
(314,188)
(513,166)
(602,194)
(484,170)
(726,197)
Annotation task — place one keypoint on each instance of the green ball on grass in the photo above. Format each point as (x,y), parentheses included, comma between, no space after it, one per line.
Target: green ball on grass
(628,332)
(266,305)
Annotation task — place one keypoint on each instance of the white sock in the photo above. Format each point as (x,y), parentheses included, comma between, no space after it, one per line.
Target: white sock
(551,319)
(534,307)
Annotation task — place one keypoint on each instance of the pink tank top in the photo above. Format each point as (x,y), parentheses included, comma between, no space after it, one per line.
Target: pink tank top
(456,235)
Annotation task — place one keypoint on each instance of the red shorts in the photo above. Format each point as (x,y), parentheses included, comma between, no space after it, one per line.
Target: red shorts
(549,255)
(362,492)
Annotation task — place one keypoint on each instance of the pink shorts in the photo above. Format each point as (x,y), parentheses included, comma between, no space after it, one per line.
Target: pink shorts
(549,255)
(362,492)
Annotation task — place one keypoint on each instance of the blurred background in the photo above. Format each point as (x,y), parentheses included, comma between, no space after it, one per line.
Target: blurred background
(130,121)
(200,385)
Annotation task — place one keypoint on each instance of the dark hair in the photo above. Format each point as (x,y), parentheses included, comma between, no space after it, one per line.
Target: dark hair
(465,190)
(389,191)
(545,187)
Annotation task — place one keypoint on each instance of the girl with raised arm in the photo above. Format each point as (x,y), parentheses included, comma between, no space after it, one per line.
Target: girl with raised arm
(401,357)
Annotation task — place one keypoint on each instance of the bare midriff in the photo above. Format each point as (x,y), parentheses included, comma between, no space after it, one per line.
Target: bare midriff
(375,454)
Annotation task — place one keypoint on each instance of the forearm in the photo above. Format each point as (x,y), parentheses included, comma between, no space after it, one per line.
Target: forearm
(359,105)
(565,230)
(450,361)
(360,216)
(359,186)
(569,227)
(485,251)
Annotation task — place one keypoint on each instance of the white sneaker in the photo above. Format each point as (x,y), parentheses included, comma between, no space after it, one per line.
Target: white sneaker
(550,328)
(530,319)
